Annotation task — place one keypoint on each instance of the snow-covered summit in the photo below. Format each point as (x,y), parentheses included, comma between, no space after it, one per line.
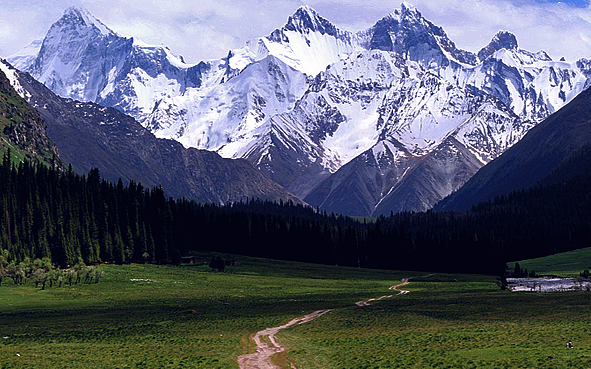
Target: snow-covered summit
(409,9)
(68,51)
(81,58)
(502,40)
(32,49)
(26,55)
(306,20)
(80,16)
(307,42)
(406,32)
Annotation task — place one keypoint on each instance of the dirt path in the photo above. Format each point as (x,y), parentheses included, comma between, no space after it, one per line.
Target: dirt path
(405,281)
(261,359)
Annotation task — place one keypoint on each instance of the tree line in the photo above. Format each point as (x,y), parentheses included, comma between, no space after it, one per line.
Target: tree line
(72,219)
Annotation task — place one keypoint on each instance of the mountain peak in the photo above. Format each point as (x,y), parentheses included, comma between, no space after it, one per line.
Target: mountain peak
(306,20)
(502,40)
(407,12)
(407,7)
(408,33)
(306,9)
(82,17)
(505,39)
(75,11)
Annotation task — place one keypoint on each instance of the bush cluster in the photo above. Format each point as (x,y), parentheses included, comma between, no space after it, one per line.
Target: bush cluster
(43,272)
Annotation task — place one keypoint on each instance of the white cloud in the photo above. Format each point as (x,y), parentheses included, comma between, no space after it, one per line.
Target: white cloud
(209,28)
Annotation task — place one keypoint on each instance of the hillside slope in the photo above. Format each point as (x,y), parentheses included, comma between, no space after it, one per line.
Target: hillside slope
(542,149)
(22,129)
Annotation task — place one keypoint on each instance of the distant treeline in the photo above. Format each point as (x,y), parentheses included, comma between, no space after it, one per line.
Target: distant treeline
(45,213)
(69,218)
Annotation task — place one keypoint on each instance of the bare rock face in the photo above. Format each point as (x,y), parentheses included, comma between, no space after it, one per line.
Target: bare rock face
(502,40)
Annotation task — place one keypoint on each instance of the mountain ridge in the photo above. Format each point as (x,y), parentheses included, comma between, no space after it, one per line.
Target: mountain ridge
(91,136)
(305,101)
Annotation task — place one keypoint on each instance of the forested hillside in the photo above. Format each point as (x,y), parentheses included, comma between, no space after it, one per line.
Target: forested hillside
(67,217)
(71,218)
(23,130)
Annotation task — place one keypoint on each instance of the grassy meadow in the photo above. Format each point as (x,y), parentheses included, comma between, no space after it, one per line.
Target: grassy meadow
(149,316)
(566,264)
(445,323)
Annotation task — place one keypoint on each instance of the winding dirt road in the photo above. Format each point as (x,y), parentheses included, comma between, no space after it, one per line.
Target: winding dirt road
(405,281)
(261,359)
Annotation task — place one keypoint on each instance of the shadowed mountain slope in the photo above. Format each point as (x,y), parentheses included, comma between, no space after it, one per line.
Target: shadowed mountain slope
(542,149)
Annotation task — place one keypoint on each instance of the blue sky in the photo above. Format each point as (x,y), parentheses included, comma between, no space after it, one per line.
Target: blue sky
(205,29)
(576,3)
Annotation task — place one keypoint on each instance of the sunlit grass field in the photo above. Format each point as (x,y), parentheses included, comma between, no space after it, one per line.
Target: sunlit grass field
(566,264)
(148,316)
(451,325)
(166,316)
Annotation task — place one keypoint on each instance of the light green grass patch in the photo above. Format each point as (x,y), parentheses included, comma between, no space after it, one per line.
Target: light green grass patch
(475,326)
(566,264)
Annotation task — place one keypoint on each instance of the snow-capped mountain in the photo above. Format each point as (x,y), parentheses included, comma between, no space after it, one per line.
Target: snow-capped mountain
(396,111)
(92,136)
(82,59)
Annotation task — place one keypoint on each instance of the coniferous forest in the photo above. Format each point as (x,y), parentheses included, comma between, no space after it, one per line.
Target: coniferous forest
(69,218)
